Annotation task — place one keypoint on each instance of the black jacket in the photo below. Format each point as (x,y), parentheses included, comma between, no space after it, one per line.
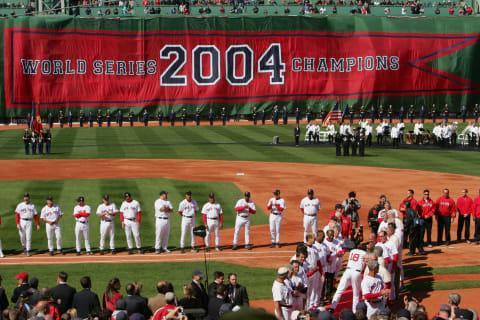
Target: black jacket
(212,290)
(137,304)
(63,295)
(200,294)
(239,295)
(214,307)
(18,291)
(86,302)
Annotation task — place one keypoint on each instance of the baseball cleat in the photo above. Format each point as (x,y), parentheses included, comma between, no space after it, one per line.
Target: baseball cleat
(248,247)
(90,253)
(218,249)
(278,245)
(51,253)
(194,250)
(158,251)
(182,250)
(78,253)
(234,247)
(113,251)
(60,252)
(102,253)
(2,255)
(166,250)
(29,254)
(130,251)
(272,245)
(207,249)
(430,246)
(140,251)
(468,241)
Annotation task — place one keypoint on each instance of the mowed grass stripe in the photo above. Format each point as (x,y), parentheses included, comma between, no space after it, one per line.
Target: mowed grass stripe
(444,270)
(144,190)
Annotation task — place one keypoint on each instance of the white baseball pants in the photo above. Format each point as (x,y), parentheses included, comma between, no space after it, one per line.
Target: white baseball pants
(212,226)
(82,229)
(275,224)
(51,229)
(309,222)
(354,278)
(374,308)
(107,227)
(25,233)
(286,313)
(132,227)
(241,222)
(188,223)
(162,231)
(313,294)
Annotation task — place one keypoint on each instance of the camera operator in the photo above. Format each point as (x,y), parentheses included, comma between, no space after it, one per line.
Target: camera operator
(351,208)
(373,218)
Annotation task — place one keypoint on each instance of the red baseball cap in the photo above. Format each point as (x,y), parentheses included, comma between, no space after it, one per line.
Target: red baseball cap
(22,275)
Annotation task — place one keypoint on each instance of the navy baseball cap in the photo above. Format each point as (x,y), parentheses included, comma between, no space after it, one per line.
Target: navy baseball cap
(127,194)
(276,192)
(163,192)
(189,192)
(49,198)
(211,195)
(247,194)
(81,198)
(310,191)
(106,196)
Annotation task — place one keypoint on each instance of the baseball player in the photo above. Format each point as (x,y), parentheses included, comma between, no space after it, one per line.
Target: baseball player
(244,208)
(315,275)
(130,216)
(106,212)
(373,289)
(24,213)
(335,253)
(353,276)
(213,220)
(51,214)
(282,295)
(309,206)
(163,208)
(187,209)
(81,212)
(276,205)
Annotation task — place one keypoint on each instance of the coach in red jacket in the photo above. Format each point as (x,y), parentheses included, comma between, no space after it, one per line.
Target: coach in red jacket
(427,209)
(446,210)
(413,202)
(476,216)
(464,209)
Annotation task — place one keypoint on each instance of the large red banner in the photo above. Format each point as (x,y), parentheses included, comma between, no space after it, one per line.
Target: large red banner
(58,68)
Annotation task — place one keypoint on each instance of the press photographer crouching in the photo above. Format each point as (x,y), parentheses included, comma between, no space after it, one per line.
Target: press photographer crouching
(352,205)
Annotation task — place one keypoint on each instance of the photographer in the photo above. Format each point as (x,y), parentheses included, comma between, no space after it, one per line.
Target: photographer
(351,206)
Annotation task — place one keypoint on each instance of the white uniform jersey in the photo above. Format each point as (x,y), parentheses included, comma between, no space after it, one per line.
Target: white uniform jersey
(356,260)
(274,202)
(331,129)
(379,130)
(212,210)
(310,128)
(248,205)
(26,211)
(323,252)
(437,131)
(385,250)
(392,249)
(333,249)
(310,206)
(417,128)
(395,133)
(372,285)
(130,209)
(382,226)
(401,125)
(399,229)
(312,257)
(188,208)
(81,209)
(110,209)
(52,213)
(159,203)
(383,210)
(282,293)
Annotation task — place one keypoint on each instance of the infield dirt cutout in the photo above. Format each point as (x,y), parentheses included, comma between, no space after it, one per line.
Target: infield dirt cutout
(330,182)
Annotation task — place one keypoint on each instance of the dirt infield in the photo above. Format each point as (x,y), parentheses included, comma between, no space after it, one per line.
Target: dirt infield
(330,182)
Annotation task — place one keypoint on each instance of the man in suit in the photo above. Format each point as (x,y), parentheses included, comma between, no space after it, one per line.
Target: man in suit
(158,301)
(86,302)
(199,291)
(236,294)
(212,287)
(217,301)
(63,293)
(22,279)
(135,303)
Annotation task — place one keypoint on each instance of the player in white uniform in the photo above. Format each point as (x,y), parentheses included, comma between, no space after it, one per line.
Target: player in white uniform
(51,214)
(315,275)
(24,214)
(244,208)
(353,276)
(309,206)
(106,212)
(282,295)
(163,208)
(187,209)
(81,212)
(335,253)
(297,285)
(373,290)
(276,205)
(130,216)
(213,220)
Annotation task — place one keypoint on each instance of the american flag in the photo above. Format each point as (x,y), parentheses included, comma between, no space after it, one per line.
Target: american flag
(334,114)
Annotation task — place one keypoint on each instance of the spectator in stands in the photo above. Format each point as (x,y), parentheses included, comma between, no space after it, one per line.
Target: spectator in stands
(22,280)
(461,11)
(158,301)
(217,301)
(120,310)
(86,302)
(112,294)
(451,11)
(387,10)
(63,293)
(167,308)
(437,11)
(469,10)
(189,301)
(334,10)
(135,303)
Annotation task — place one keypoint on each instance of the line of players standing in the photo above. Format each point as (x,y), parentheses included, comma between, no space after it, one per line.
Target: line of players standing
(36,141)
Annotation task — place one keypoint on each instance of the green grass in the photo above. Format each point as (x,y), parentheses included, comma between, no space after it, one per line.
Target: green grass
(144,190)
(249,143)
(257,280)
(417,272)
(440,285)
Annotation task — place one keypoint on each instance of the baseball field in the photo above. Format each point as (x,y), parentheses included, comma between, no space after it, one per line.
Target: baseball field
(226,160)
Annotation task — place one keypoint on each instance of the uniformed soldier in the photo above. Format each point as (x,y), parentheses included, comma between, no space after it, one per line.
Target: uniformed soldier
(210,116)
(109,118)
(70,119)
(26,141)
(254,116)
(33,142)
(308,114)
(48,141)
(401,114)
(197,116)
(29,119)
(223,115)
(184,117)
(362,113)
(463,113)
(475,112)
(372,114)
(61,118)
(40,143)
(297,134)
(131,117)
(423,113)
(172,117)
(433,113)
(380,113)
(285,115)
(338,144)
(352,115)
(120,118)
(50,120)
(99,118)
(411,113)
(298,115)
(145,117)
(81,117)
(361,143)
(355,138)
(90,118)
(346,144)
(160,117)
(323,113)
(445,113)
(263,115)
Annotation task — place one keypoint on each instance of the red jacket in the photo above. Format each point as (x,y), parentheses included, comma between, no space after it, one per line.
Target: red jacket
(446,207)
(464,205)
(346,225)
(413,205)
(426,208)
(476,207)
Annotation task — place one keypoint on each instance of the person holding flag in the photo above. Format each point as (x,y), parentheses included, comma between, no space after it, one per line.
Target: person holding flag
(334,114)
